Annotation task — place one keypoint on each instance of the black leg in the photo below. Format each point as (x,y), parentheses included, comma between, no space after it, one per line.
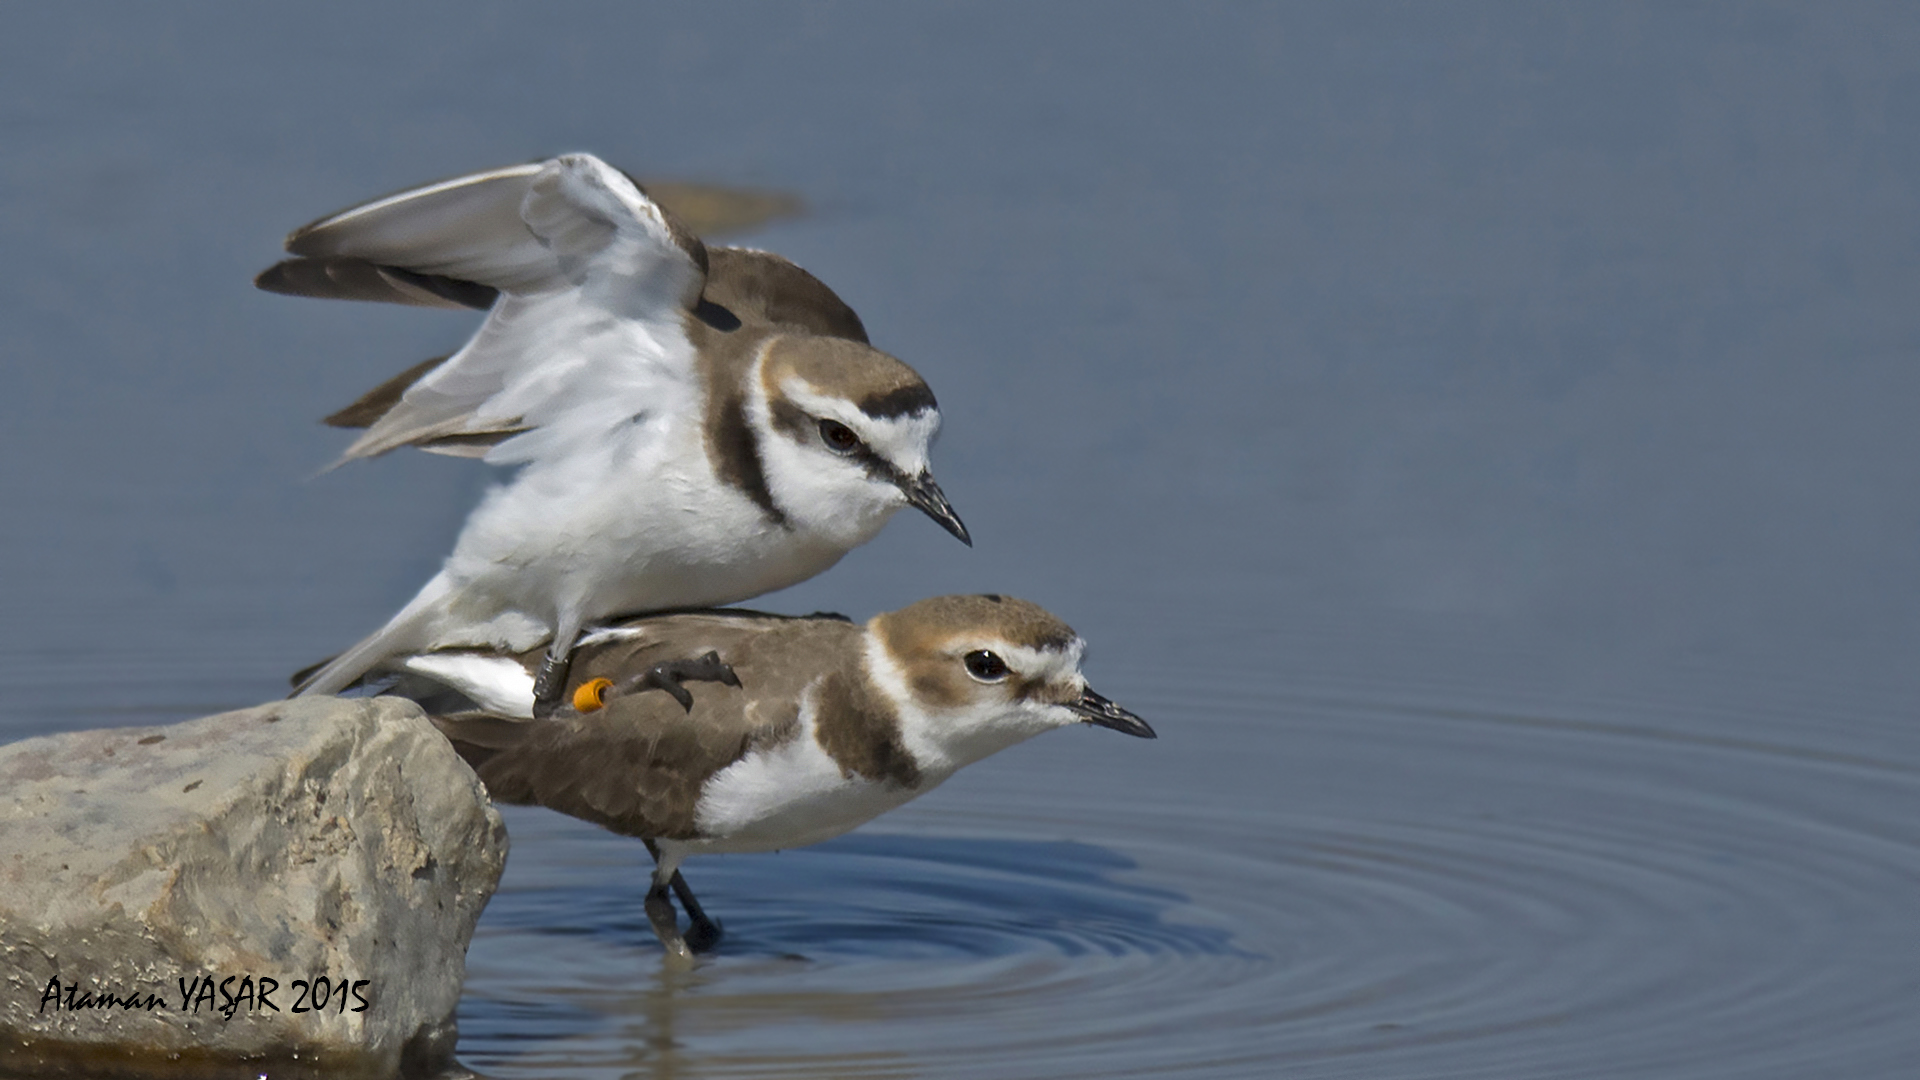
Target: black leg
(550,685)
(703,933)
(669,674)
(665,926)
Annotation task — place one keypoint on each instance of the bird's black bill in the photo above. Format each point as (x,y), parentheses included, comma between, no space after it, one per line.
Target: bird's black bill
(1099,711)
(925,494)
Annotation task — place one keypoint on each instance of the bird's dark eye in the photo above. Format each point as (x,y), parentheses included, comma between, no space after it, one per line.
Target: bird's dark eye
(986,666)
(839,437)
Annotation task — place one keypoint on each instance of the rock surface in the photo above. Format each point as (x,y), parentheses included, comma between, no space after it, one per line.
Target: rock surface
(171,897)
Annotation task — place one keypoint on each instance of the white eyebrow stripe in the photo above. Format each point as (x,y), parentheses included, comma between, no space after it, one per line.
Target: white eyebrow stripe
(1048,665)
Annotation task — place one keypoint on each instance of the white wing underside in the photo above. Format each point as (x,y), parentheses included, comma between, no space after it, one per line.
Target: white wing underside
(497,684)
(586,335)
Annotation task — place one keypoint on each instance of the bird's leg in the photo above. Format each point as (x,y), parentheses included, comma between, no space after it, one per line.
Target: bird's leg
(668,675)
(703,933)
(550,685)
(665,926)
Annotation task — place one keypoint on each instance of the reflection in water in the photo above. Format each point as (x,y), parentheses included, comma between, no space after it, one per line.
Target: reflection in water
(671,1023)
(826,948)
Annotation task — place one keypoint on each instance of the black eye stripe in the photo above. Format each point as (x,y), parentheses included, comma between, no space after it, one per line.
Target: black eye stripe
(791,421)
(908,400)
(877,467)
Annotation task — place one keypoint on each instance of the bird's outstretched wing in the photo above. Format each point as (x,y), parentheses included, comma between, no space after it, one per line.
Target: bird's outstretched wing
(590,280)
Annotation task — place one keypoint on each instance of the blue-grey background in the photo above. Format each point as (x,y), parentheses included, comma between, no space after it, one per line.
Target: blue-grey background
(1479,436)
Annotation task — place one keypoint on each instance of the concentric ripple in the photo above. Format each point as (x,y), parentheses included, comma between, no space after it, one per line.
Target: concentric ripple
(1372,891)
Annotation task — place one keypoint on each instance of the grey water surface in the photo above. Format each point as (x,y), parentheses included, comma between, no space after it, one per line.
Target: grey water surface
(1480,437)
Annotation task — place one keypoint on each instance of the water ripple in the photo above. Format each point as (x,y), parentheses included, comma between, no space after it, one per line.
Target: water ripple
(1503,895)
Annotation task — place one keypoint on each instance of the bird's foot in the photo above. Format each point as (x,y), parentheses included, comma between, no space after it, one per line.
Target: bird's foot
(669,675)
(704,934)
(666,926)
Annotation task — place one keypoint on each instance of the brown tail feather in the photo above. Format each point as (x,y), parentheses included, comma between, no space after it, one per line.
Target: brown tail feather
(477,737)
(374,404)
(299,678)
(341,277)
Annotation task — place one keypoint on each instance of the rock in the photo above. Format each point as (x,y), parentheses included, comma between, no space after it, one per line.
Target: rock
(172,898)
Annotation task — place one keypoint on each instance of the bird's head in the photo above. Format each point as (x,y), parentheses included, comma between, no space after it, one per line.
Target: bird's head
(972,675)
(847,433)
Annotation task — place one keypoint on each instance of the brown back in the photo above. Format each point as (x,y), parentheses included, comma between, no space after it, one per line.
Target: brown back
(638,765)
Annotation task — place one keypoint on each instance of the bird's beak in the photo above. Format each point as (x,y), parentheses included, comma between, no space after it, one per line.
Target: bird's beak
(922,492)
(1099,711)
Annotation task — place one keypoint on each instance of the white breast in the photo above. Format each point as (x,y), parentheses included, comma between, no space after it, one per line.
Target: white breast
(791,795)
(640,524)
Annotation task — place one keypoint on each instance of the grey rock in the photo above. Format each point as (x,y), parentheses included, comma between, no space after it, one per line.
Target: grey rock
(307,839)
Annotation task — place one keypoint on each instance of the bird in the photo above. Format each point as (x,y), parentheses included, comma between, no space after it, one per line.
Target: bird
(812,726)
(691,426)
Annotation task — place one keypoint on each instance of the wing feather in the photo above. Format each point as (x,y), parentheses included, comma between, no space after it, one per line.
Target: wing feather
(593,279)
(341,278)
(468,227)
